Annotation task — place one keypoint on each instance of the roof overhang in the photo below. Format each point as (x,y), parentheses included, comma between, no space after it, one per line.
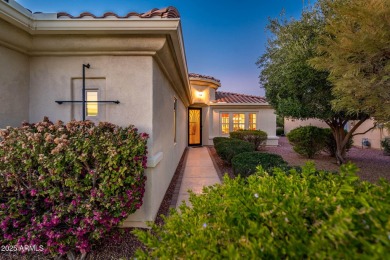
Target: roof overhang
(45,34)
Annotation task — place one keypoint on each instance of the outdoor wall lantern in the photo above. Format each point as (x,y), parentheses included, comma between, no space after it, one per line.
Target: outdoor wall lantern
(83,101)
(199,94)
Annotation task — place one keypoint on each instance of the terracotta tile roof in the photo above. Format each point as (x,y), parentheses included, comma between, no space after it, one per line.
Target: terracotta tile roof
(228,97)
(168,12)
(194,75)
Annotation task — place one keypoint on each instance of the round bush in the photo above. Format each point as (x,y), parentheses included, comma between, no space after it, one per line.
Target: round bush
(217,140)
(245,164)
(256,137)
(307,140)
(67,186)
(385,143)
(230,148)
(285,216)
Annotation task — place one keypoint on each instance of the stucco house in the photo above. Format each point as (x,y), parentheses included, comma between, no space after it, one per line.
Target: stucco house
(125,70)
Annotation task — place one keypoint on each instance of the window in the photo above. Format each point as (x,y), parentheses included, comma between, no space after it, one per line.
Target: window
(92,107)
(252,121)
(174,119)
(238,121)
(234,121)
(225,127)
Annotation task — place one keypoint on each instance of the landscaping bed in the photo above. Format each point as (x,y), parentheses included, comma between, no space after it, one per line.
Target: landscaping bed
(123,244)
(372,163)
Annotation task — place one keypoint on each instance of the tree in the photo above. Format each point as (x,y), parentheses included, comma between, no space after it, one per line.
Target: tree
(293,87)
(356,51)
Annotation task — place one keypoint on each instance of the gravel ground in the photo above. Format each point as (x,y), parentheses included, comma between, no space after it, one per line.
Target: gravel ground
(372,163)
(122,245)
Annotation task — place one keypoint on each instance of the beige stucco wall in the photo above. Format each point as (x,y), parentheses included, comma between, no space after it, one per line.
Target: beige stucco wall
(124,78)
(374,136)
(14,84)
(290,124)
(163,146)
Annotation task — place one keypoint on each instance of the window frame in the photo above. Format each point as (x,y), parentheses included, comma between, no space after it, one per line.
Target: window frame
(231,123)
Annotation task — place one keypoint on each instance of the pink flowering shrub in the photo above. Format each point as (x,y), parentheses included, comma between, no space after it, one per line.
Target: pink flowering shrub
(67,186)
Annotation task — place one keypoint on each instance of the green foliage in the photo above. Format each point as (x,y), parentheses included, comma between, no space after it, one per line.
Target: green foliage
(307,140)
(293,87)
(245,164)
(256,137)
(230,148)
(279,121)
(286,216)
(330,142)
(280,131)
(68,186)
(217,140)
(385,143)
(355,50)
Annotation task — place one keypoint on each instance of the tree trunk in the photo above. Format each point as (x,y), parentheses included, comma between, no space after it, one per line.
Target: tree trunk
(337,126)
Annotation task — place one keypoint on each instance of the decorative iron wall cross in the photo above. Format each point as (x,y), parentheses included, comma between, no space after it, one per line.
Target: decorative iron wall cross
(83,101)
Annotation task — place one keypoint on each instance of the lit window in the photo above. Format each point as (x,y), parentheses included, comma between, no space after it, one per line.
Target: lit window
(252,121)
(225,123)
(92,105)
(238,122)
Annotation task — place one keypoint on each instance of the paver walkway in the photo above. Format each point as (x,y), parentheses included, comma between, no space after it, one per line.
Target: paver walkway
(199,172)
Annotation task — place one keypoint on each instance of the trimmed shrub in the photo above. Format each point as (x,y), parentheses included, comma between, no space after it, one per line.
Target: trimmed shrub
(65,187)
(256,137)
(245,164)
(330,142)
(217,140)
(280,131)
(230,148)
(307,140)
(296,216)
(385,143)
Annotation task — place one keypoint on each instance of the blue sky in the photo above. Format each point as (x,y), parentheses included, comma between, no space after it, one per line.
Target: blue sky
(222,39)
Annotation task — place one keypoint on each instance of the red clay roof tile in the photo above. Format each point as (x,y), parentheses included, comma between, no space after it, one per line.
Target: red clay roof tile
(168,12)
(195,75)
(228,97)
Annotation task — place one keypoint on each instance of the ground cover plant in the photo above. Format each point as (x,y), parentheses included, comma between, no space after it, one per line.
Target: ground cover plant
(288,215)
(307,140)
(256,137)
(65,187)
(245,164)
(230,148)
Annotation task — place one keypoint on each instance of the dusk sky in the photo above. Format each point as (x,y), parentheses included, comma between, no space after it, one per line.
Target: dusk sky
(222,39)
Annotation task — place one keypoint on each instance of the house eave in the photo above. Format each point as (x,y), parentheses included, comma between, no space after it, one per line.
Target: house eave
(47,35)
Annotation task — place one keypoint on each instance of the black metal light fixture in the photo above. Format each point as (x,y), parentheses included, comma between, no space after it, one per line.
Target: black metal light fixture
(83,101)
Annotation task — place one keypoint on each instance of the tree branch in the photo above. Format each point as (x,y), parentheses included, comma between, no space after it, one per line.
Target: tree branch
(365,131)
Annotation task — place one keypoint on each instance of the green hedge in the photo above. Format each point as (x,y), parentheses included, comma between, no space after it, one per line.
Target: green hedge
(230,148)
(245,164)
(217,140)
(296,216)
(256,137)
(307,140)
